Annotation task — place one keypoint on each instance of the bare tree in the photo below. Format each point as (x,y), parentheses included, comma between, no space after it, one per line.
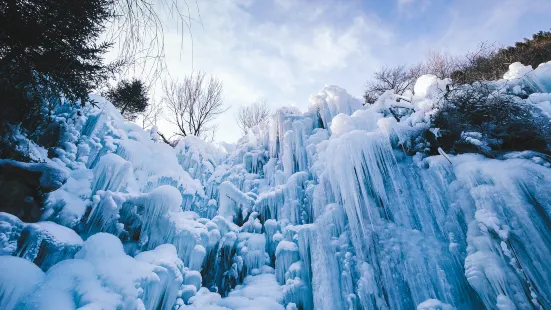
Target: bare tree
(441,64)
(483,64)
(138,27)
(151,115)
(397,78)
(252,115)
(193,104)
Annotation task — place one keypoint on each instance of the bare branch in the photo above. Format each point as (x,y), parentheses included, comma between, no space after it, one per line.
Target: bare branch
(397,78)
(138,27)
(441,64)
(483,64)
(251,115)
(151,115)
(193,104)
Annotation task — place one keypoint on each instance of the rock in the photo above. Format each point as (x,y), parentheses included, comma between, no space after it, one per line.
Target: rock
(23,187)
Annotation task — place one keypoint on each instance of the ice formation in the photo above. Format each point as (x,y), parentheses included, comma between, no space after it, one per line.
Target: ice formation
(315,210)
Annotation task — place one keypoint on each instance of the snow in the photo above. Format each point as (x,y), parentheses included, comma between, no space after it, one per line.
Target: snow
(332,100)
(67,280)
(103,276)
(233,202)
(340,207)
(47,243)
(359,120)
(10,230)
(517,71)
(433,304)
(257,292)
(18,277)
(426,88)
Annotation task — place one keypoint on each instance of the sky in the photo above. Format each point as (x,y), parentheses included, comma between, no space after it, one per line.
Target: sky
(283,51)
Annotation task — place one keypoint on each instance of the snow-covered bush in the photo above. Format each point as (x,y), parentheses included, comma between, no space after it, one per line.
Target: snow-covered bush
(485,117)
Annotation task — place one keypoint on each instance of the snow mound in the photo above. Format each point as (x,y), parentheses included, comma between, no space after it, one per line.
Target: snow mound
(18,278)
(103,276)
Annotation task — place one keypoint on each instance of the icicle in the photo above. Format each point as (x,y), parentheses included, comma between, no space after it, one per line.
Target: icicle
(170,274)
(286,254)
(252,249)
(47,243)
(111,173)
(234,204)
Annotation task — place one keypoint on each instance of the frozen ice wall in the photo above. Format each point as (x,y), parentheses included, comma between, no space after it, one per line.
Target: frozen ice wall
(316,210)
(352,222)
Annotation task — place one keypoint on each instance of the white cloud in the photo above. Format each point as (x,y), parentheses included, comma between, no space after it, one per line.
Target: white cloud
(286,4)
(402,3)
(283,61)
(285,50)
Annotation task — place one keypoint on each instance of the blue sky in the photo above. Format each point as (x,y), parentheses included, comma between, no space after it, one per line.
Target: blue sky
(285,50)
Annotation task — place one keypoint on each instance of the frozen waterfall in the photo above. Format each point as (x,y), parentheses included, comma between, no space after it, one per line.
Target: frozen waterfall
(317,210)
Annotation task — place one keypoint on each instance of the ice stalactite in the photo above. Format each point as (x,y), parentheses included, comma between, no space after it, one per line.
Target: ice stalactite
(198,157)
(220,272)
(154,209)
(104,213)
(111,173)
(43,243)
(234,205)
(251,247)
(268,204)
(330,102)
(289,201)
(359,174)
(293,154)
(170,272)
(286,254)
(505,239)
(254,162)
(47,243)
(281,122)
(190,237)
(67,205)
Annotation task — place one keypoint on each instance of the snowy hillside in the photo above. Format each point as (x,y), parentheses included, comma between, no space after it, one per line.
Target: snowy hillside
(335,208)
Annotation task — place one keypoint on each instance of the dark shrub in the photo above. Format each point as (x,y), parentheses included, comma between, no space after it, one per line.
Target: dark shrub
(130,97)
(48,51)
(479,118)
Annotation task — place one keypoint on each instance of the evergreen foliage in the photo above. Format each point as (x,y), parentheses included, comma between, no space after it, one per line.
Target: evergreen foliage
(49,52)
(130,97)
